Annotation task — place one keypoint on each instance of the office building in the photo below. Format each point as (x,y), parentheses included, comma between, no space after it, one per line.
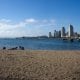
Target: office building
(50,34)
(63,32)
(57,34)
(71,31)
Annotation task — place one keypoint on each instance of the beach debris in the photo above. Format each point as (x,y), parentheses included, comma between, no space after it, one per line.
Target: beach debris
(15,48)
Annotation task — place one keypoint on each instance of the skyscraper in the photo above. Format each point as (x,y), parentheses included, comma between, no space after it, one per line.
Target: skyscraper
(50,35)
(71,31)
(57,34)
(63,32)
(54,33)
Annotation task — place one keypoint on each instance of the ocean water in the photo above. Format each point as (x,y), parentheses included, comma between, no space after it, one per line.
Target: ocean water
(40,44)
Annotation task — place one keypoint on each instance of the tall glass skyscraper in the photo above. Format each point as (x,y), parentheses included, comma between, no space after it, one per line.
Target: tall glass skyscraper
(63,32)
(71,31)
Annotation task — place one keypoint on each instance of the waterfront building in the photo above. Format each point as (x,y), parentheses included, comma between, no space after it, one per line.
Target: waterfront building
(71,31)
(76,35)
(57,34)
(63,32)
(50,34)
(54,33)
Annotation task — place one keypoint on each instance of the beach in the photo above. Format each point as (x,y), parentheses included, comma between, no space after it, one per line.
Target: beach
(39,65)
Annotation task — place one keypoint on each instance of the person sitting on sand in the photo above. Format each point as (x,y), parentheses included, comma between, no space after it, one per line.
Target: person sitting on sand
(4,48)
(21,48)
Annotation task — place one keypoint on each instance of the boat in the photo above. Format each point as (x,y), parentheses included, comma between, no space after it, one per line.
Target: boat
(78,40)
(71,40)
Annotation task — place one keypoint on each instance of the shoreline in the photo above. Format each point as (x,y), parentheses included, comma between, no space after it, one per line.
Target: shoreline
(40,49)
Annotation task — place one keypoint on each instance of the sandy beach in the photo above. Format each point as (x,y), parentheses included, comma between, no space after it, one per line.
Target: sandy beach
(39,65)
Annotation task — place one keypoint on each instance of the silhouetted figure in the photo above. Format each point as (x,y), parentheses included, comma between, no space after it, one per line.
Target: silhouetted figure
(4,48)
(21,47)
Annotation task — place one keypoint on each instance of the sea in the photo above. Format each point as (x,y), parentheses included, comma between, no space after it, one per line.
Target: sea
(40,44)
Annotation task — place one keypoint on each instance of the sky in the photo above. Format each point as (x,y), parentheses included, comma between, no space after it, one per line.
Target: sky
(37,17)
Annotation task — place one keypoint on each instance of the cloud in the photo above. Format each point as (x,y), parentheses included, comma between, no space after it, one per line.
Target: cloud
(49,23)
(5,20)
(27,27)
(31,20)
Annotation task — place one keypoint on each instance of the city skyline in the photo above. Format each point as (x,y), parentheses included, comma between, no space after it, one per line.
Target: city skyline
(63,33)
(37,17)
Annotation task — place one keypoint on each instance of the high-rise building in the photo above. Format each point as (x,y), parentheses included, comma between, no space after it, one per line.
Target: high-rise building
(50,34)
(57,34)
(63,32)
(71,31)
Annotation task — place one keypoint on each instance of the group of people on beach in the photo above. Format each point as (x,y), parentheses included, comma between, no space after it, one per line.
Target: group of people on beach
(15,48)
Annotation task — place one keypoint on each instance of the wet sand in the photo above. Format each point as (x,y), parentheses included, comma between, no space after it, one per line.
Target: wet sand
(39,65)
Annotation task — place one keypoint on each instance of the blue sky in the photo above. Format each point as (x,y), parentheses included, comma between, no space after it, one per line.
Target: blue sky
(37,17)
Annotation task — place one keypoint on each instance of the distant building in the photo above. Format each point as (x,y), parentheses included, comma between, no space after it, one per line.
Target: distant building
(63,32)
(57,34)
(71,31)
(50,34)
(66,34)
(76,35)
(54,33)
